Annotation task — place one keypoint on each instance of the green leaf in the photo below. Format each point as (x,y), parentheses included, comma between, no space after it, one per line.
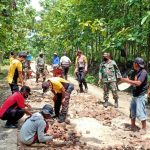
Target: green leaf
(104,32)
(144,20)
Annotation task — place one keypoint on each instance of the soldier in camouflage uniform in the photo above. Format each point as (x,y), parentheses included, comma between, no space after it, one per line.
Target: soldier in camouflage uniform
(108,75)
(40,67)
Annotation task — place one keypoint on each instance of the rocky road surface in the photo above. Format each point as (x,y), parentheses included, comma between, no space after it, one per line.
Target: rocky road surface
(89,126)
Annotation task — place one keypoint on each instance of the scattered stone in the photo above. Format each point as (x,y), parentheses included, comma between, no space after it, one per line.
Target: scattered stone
(78,135)
(85,105)
(87,132)
(67,121)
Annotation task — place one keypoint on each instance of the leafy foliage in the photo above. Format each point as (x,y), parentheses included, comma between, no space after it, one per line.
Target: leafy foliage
(91,79)
(94,26)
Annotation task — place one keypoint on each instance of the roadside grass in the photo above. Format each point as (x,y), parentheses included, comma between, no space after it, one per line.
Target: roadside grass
(90,78)
(3,73)
(149,78)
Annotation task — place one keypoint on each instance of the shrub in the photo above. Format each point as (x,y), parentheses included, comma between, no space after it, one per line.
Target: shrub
(3,73)
(91,79)
(71,70)
(148,79)
(6,62)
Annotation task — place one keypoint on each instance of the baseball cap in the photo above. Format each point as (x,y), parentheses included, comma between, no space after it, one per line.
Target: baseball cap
(55,53)
(140,62)
(45,86)
(48,110)
(22,54)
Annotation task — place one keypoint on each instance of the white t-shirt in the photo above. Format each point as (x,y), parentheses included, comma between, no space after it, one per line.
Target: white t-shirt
(65,61)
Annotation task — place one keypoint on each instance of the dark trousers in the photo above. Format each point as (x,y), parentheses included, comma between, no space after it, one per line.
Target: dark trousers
(65,72)
(81,79)
(14,87)
(57,104)
(12,115)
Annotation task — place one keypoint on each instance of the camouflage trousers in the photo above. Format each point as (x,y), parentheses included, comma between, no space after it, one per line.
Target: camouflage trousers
(40,70)
(65,106)
(110,86)
(58,105)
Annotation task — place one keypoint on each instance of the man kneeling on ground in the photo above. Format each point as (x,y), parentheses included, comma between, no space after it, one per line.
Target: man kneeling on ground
(61,89)
(35,127)
(14,107)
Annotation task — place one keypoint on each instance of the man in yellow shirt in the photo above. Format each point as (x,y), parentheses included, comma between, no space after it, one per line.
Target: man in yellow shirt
(15,72)
(81,65)
(61,89)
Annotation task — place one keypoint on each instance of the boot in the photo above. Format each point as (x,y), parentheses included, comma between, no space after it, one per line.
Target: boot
(81,88)
(106,104)
(61,118)
(36,80)
(116,103)
(86,90)
(85,85)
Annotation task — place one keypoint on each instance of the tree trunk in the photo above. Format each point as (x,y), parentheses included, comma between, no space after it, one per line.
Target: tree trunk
(148,51)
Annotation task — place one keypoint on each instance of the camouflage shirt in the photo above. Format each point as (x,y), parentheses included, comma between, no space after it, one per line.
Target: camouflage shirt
(109,71)
(40,62)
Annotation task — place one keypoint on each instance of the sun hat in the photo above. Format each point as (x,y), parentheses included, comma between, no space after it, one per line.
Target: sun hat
(55,53)
(106,54)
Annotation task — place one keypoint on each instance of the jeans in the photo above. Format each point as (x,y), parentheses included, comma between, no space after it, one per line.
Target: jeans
(137,108)
(70,88)
(81,79)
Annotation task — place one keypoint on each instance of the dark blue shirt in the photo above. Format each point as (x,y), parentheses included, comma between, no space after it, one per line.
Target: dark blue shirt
(142,89)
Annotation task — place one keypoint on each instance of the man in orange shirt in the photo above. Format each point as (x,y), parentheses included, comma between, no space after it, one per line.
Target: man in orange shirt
(15,72)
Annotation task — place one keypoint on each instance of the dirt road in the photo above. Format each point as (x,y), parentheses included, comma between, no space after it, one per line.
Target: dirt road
(89,125)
